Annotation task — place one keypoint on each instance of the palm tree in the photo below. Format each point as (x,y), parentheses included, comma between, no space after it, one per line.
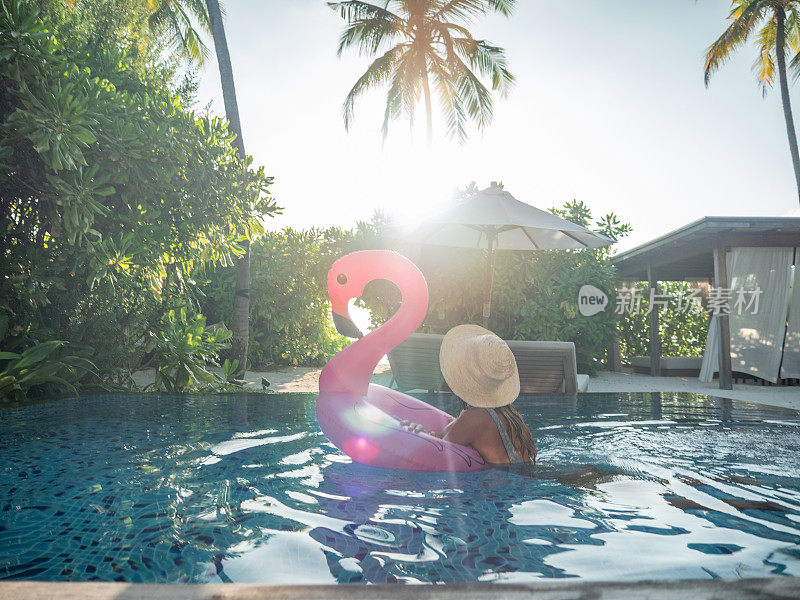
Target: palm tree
(426,42)
(778,28)
(240,323)
(174,15)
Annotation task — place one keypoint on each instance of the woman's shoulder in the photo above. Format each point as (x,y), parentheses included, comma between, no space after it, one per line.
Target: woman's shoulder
(474,414)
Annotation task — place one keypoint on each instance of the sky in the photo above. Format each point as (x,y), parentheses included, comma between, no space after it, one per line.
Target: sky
(609,108)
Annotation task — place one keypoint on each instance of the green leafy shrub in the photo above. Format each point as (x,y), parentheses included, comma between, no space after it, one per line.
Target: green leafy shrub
(40,370)
(184,348)
(112,192)
(683,332)
(290,322)
(230,371)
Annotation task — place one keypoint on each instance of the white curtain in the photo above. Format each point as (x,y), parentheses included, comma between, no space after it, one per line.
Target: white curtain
(711,354)
(791,346)
(756,339)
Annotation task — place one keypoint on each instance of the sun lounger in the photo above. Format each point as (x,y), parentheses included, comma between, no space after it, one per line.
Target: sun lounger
(547,368)
(544,367)
(415,363)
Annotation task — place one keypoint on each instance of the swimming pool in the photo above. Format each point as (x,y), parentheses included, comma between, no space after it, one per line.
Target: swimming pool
(247,489)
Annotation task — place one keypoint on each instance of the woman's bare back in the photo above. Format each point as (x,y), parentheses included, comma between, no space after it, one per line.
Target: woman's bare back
(475,427)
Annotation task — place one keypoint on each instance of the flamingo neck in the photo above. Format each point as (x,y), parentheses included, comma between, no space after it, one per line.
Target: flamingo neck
(350,371)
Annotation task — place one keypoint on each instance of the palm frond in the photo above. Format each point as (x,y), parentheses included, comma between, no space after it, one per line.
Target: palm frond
(404,91)
(466,10)
(745,16)
(764,65)
(792,27)
(171,18)
(196,49)
(476,99)
(396,100)
(445,27)
(377,74)
(503,7)
(794,67)
(488,60)
(368,35)
(199,11)
(356,10)
(157,19)
(393,108)
(186,38)
(449,100)
(793,42)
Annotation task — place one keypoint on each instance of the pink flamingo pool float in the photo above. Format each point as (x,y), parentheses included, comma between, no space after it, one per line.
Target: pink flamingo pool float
(361,418)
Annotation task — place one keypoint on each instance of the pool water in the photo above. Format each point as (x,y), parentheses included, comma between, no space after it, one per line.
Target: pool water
(247,489)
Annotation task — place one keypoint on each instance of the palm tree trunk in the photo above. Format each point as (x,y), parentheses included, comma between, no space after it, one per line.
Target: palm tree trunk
(780,50)
(240,324)
(426,89)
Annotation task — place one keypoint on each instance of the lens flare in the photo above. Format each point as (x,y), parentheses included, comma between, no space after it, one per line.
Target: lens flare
(369,420)
(360,449)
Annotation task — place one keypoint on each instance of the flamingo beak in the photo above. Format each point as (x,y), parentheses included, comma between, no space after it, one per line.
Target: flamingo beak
(342,321)
(346,327)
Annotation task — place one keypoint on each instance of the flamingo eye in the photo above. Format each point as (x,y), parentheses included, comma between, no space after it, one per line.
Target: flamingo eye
(342,279)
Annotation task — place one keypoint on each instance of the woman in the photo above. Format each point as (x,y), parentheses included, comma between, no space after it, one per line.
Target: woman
(481,370)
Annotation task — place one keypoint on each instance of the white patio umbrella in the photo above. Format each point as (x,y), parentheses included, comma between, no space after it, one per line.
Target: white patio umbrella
(495,220)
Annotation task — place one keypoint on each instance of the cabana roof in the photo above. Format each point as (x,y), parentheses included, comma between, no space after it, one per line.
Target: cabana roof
(687,253)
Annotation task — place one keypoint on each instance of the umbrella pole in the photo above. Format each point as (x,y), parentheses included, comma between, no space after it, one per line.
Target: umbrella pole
(487,299)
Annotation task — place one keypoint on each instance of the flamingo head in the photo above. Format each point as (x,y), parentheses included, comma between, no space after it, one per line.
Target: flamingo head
(351,273)
(346,280)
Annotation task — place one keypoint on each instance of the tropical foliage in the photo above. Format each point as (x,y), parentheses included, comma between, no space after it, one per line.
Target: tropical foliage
(40,370)
(424,45)
(290,320)
(124,26)
(176,19)
(776,25)
(113,194)
(682,325)
(184,349)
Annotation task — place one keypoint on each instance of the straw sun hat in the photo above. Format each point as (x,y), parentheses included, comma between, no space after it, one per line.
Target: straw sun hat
(479,367)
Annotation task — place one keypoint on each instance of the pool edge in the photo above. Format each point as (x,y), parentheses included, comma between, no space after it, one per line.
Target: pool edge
(689,589)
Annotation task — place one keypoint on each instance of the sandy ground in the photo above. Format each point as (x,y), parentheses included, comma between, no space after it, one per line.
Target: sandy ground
(304,379)
(284,379)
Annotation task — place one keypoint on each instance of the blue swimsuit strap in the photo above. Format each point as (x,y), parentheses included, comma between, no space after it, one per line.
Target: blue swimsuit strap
(513,455)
